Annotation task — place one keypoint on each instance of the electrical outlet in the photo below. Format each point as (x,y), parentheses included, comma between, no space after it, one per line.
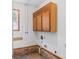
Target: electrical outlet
(45,46)
(42,37)
(55,51)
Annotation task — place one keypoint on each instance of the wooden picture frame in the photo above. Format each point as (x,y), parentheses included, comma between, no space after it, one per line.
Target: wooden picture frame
(16,19)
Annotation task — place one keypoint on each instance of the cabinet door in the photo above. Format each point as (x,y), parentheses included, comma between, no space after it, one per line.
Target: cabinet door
(45,21)
(39,22)
(34,23)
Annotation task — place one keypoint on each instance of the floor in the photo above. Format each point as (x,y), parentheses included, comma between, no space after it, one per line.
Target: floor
(29,56)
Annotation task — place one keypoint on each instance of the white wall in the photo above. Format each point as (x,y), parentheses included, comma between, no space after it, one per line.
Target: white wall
(61,28)
(25,26)
(56,41)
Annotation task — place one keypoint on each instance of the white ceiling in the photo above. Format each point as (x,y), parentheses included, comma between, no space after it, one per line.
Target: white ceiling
(32,2)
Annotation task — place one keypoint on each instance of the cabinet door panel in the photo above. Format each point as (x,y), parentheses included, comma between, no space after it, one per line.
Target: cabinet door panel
(39,22)
(45,21)
(34,23)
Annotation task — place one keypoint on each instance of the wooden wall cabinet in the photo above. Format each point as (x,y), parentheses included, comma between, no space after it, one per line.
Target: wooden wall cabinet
(38,25)
(34,23)
(45,19)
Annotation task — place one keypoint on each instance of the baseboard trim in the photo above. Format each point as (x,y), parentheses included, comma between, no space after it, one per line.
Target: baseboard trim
(33,48)
(25,50)
(52,53)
